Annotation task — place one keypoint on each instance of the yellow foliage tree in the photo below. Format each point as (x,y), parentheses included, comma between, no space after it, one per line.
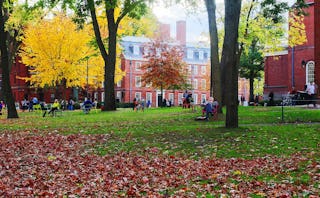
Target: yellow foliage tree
(57,52)
(297,32)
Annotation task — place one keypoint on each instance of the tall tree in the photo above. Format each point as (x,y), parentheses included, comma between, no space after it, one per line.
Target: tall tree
(129,8)
(165,67)
(230,60)
(5,61)
(215,82)
(13,19)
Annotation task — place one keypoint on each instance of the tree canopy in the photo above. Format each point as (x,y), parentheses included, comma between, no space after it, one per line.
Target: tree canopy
(57,52)
(165,67)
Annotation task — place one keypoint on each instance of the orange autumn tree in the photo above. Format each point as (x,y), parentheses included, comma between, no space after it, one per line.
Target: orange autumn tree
(165,67)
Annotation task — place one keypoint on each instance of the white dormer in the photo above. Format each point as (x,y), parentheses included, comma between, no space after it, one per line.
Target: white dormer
(200,55)
(136,50)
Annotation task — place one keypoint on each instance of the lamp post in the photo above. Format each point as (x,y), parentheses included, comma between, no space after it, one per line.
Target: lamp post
(87,87)
(130,79)
(292,67)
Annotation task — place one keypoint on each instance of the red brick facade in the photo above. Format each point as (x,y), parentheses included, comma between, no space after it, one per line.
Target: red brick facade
(289,68)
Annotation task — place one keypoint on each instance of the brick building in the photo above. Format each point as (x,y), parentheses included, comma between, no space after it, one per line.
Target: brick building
(196,56)
(296,66)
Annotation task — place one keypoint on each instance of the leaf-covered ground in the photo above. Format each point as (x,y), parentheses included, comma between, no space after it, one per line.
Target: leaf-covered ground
(56,165)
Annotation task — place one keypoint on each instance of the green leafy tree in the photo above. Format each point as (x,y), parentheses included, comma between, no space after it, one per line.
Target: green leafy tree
(251,65)
(13,19)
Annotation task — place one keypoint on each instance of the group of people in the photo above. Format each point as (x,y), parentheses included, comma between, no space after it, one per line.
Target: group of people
(187,100)
(209,109)
(140,104)
(34,102)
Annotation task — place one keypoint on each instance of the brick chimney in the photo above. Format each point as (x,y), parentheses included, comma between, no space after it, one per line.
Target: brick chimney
(181,32)
(164,31)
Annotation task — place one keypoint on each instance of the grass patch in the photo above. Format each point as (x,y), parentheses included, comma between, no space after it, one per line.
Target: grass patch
(173,131)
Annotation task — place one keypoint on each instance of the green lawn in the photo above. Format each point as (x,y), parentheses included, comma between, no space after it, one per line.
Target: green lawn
(174,131)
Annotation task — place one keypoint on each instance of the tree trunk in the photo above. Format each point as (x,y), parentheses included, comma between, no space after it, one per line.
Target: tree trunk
(251,79)
(110,99)
(230,60)
(108,57)
(5,65)
(215,79)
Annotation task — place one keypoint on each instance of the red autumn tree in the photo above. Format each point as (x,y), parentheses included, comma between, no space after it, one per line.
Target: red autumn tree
(165,68)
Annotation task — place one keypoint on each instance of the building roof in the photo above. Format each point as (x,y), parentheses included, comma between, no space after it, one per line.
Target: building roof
(133,49)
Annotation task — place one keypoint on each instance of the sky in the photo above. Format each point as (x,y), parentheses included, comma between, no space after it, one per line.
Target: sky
(196,23)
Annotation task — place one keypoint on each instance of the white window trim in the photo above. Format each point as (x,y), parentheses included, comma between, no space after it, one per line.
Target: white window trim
(138,66)
(195,84)
(138,95)
(203,84)
(138,81)
(308,65)
(195,69)
(150,95)
(203,69)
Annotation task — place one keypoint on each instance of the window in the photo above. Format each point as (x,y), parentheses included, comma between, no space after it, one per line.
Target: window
(205,55)
(310,72)
(195,84)
(145,50)
(195,98)
(141,50)
(138,66)
(102,96)
(195,69)
(189,81)
(136,50)
(118,96)
(203,98)
(196,55)
(203,84)
(180,95)
(189,54)
(131,49)
(138,95)
(171,98)
(201,55)
(138,81)
(189,69)
(149,97)
(203,69)
(119,83)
